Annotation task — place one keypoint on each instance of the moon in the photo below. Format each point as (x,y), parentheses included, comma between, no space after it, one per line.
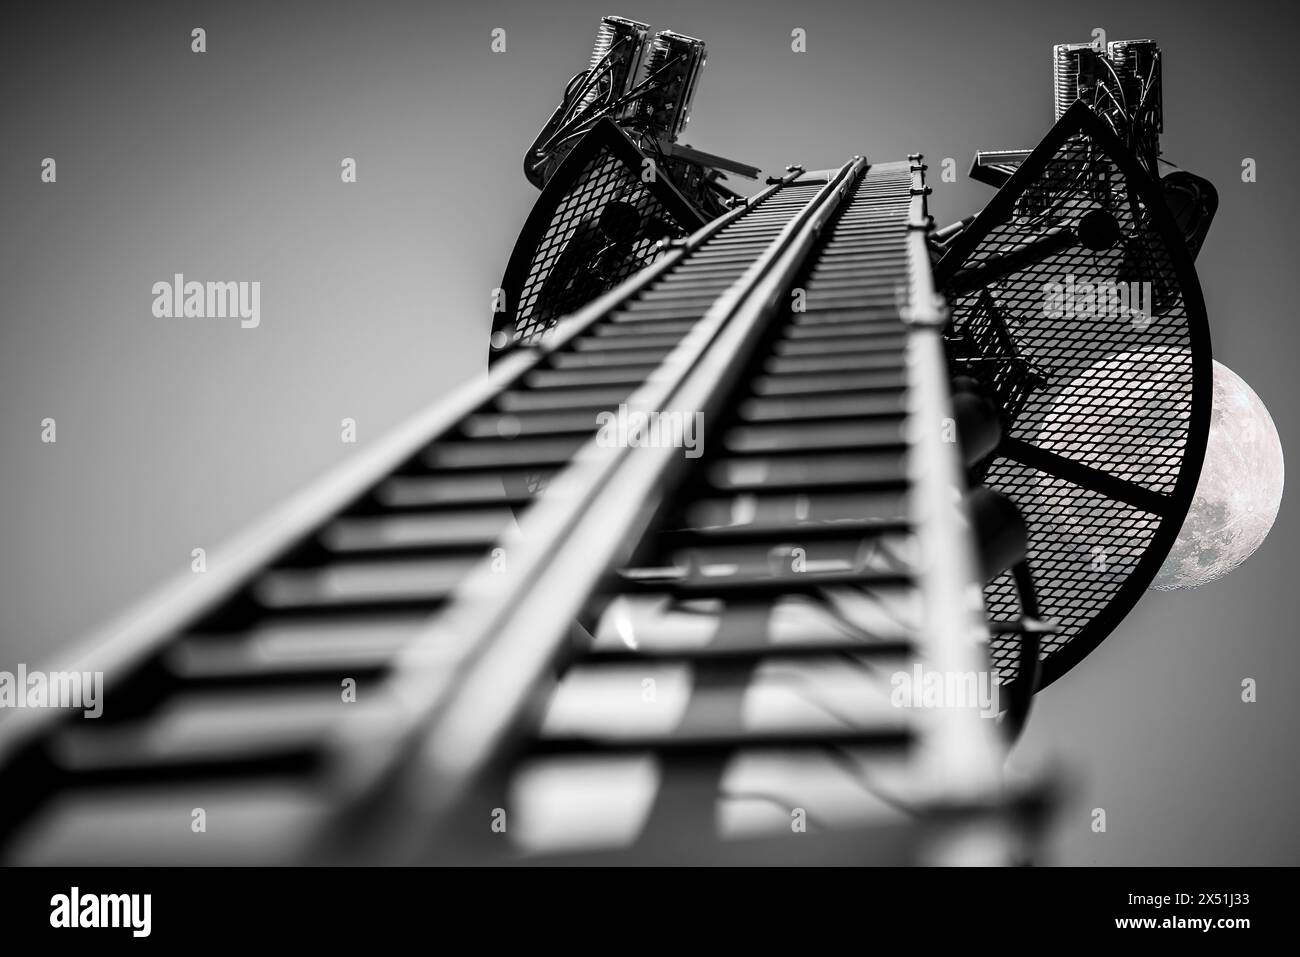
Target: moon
(1238,494)
(1122,415)
(1240,487)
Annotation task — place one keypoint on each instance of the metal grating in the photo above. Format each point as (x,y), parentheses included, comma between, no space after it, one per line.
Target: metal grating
(989,352)
(575,262)
(1100,362)
(1083,548)
(594,225)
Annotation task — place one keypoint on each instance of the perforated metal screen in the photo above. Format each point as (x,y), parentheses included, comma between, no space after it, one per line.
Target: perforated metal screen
(1100,361)
(597,222)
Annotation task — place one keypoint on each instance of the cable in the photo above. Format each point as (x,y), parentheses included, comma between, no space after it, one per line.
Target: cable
(585,81)
(643,87)
(1118,84)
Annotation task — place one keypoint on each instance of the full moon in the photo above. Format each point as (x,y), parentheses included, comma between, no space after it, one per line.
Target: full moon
(1238,494)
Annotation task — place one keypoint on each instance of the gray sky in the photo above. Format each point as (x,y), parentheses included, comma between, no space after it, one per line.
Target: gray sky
(174,434)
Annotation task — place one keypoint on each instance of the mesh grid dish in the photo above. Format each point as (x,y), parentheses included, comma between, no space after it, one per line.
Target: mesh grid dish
(1100,364)
(596,223)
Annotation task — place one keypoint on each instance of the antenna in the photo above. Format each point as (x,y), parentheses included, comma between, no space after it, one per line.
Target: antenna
(616,185)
